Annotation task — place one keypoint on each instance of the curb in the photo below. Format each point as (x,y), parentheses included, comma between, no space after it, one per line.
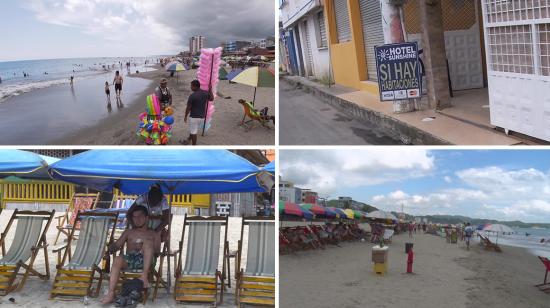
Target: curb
(407,133)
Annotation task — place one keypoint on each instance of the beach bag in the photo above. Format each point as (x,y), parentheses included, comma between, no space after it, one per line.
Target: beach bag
(131,293)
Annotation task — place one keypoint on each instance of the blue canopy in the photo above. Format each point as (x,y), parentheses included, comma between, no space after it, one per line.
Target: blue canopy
(270,167)
(177,171)
(24,164)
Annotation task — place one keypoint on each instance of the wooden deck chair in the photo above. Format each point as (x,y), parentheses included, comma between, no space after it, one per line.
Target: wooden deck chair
(256,282)
(29,239)
(485,241)
(76,277)
(254,115)
(122,203)
(198,278)
(79,202)
(545,286)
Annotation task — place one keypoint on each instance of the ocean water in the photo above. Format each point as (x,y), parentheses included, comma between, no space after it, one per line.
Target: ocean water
(59,71)
(532,242)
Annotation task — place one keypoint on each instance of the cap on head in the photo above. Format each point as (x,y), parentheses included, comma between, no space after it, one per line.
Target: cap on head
(163,81)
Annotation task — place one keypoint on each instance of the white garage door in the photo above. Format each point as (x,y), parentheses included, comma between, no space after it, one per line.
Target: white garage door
(371,22)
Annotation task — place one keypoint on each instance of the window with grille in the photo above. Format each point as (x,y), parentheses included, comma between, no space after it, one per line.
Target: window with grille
(341,15)
(322,30)
(543,31)
(511,49)
(514,10)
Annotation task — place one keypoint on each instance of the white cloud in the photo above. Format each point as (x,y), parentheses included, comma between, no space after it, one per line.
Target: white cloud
(448,179)
(328,170)
(160,25)
(398,195)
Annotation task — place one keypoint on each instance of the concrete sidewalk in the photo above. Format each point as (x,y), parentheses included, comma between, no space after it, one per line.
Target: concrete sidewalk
(440,130)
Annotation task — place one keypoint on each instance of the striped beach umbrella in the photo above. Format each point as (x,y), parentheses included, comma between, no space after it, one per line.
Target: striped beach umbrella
(314,208)
(256,77)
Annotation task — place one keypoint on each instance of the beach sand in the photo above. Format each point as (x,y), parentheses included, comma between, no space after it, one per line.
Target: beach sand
(120,128)
(36,291)
(445,275)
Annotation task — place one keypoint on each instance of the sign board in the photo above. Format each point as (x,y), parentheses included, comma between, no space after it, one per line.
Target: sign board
(398,71)
(223,208)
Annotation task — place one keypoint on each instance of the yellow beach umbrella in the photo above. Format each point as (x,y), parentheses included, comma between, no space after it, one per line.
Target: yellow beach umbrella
(256,77)
(349,213)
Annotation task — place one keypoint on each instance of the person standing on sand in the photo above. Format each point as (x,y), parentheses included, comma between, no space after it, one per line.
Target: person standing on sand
(468,232)
(72,80)
(196,110)
(163,94)
(117,81)
(108,92)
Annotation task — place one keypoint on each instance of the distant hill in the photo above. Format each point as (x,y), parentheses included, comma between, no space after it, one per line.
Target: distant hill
(355,205)
(457,219)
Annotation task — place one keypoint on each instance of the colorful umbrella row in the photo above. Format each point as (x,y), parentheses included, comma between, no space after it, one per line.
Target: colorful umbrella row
(310,211)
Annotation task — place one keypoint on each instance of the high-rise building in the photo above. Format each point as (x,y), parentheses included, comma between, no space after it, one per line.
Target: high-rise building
(196,43)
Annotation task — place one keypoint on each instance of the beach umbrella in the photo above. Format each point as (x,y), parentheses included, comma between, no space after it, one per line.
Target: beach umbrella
(339,212)
(256,77)
(233,73)
(292,209)
(24,164)
(357,214)
(349,213)
(382,215)
(270,168)
(498,228)
(175,66)
(314,208)
(222,73)
(480,227)
(177,171)
(330,213)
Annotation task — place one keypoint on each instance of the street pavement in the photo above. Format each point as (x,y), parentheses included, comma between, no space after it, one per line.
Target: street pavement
(306,120)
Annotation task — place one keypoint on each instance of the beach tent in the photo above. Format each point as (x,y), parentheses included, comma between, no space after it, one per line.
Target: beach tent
(176,171)
(24,164)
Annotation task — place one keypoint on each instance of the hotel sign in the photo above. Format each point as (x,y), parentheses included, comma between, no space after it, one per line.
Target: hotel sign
(398,71)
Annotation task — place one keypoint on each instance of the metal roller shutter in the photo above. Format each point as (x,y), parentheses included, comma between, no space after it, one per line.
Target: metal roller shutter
(322,30)
(342,20)
(309,54)
(371,21)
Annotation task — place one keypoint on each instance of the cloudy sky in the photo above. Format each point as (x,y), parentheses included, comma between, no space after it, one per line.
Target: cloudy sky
(497,184)
(44,29)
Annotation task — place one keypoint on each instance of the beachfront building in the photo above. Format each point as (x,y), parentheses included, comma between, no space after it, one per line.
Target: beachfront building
(232,46)
(196,43)
(476,54)
(309,196)
(287,192)
(304,38)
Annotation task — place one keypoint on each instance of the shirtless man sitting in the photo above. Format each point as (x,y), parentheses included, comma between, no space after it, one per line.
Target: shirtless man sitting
(141,246)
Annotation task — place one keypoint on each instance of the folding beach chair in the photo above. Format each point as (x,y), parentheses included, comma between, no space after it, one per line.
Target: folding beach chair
(545,286)
(254,115)
(29,239)
(76,274)
(122,203)
(197,280)
(79,202)
(256,282)
(488,244)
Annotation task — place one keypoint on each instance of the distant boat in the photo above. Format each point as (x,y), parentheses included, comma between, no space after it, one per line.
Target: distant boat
(538,228)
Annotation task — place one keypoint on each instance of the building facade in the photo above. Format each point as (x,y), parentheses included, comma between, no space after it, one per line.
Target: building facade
(196,43)
(304,36)
(287,192)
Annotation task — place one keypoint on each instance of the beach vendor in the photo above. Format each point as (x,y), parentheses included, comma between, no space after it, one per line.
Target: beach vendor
(163,94)
(156,204)
(141,246)
(117,81)
(196,111)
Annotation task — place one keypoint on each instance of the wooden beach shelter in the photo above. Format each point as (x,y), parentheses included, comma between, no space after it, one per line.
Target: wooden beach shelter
(29,239)
(176,171)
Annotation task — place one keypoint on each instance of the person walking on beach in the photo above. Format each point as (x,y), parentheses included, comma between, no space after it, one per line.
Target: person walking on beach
(163,94)
(117,81)
(196,111)
(468,232)
(72,79)
(411,227)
